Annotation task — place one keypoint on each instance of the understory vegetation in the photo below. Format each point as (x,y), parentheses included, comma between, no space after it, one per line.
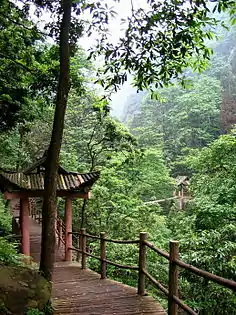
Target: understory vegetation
(183,131)
(8,248)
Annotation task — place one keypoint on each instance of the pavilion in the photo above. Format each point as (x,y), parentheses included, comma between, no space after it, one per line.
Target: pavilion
(28,184)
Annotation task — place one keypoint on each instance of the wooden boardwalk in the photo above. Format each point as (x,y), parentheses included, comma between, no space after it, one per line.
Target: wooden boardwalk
(82,292)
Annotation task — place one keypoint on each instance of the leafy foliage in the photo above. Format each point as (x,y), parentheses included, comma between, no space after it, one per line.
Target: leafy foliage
(8,253)
(180,120)
(34,311)
(208,242)
(133,163)
(160,42)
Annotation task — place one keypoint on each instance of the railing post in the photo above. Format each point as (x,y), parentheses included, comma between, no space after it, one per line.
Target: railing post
(60,236)
(103,254)
(83,247)
(79,247)
(142,263)
(173,278)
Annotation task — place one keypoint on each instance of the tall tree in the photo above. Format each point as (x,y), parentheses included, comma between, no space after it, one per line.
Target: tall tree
(161,54)
(50,181)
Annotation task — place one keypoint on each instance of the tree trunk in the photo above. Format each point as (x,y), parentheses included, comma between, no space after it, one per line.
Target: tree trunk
(50,180)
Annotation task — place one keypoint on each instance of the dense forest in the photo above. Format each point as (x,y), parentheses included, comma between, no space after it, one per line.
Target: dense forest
(165,132)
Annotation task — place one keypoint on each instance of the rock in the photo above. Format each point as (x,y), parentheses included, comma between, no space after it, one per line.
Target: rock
(22,288)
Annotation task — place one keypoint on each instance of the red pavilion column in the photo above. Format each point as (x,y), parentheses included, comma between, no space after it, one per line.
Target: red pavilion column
(68,224)
(24,225)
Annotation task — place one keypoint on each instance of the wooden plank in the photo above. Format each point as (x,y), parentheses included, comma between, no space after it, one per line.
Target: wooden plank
(80,292)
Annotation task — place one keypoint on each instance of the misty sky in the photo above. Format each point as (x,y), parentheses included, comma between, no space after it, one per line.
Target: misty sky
(123,9)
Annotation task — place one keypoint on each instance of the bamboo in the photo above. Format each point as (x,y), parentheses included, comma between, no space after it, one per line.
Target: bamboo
(103,255)
(142,263)
(173,278)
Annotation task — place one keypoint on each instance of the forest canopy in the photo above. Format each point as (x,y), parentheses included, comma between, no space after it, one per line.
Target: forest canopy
(187,129)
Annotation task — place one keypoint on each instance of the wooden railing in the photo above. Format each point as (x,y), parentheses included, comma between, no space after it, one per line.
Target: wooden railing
(61,231)
(174,263)
(172,292)
(36,214)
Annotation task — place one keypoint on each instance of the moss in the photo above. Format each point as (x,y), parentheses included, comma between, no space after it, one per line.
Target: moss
(22,288)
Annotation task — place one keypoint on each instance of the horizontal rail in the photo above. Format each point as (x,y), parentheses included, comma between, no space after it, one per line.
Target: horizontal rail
(121,266)
(199,272)
(174,262)
(85,234)
(62,240)
(155,282)
(95,237)
(109,262)
(106,239)
(85,253)
(166,292)
(185,307)
(122,241)
(207,275)
(157,250)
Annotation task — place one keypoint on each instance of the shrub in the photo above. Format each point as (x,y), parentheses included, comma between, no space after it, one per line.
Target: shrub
(8,253)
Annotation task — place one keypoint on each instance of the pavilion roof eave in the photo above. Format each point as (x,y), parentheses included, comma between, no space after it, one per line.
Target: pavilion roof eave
(71,183)
(21,194)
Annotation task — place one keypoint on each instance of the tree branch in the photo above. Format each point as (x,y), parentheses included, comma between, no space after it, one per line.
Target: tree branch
(18,63)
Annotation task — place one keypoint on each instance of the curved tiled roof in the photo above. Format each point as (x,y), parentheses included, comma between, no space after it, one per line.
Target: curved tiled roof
(35,181)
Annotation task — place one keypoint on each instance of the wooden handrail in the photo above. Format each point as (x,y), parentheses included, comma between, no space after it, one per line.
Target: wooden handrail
(122,241)
(120,266)
(155,282)
(105,260)
(172,257)
(107,239)
(207,275)
(86,253)
(184,307)
(157,250)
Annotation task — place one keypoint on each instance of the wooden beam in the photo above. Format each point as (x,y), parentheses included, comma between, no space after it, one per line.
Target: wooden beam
(40,193)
